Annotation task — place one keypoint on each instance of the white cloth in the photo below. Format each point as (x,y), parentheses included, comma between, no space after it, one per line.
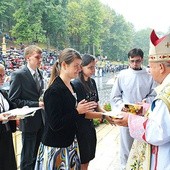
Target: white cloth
(131,86)
(155,130)
(126,142)
(4,105)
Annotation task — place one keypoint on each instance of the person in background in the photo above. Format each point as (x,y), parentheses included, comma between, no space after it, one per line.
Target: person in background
(85,88)
(152,132)
(7,127)
(132,85)
(26,87)
(61,109)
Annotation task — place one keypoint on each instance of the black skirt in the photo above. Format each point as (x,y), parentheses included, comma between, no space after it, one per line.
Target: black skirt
(7,154)
(86,137)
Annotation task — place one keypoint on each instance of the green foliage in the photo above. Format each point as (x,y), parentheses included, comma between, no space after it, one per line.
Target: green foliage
(96,122)
(120,39)
(86,25)
(107,107)
(54,23)
(6,10)
(76,24)
(141,40)
(93,12)
(28,25)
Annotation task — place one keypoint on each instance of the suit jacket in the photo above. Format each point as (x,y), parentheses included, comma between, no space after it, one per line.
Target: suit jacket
(60,115)
(11,124)
(23,91)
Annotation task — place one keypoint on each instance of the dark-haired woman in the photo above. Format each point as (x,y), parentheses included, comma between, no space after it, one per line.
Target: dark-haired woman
(85,88)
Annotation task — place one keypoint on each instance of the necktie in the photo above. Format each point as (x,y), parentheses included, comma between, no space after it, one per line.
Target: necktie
(35,75)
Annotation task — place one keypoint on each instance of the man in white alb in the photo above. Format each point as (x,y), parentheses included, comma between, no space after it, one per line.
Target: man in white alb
(132,85)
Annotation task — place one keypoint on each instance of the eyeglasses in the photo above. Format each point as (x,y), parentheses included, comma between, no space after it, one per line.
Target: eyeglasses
(135,61)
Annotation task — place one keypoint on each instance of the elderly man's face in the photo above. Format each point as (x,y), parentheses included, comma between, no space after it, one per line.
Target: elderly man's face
(155,71)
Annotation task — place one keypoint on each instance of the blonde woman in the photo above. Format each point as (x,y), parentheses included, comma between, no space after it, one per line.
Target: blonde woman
(59,149)
(85,88)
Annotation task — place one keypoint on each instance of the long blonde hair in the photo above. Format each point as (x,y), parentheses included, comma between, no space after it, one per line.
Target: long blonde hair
(67,55)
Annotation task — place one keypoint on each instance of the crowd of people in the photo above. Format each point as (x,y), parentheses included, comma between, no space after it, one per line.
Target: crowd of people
(61,135)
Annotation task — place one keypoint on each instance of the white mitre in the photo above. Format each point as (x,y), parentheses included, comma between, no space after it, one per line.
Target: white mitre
(159,48)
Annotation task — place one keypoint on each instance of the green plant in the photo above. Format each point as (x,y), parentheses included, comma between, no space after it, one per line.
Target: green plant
(107,107)
(96,122)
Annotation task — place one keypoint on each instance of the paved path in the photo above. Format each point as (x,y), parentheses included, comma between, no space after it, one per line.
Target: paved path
(104,89)
(107,151)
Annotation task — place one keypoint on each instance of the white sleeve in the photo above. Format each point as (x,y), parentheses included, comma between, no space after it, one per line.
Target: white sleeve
(158,125)
(116,95)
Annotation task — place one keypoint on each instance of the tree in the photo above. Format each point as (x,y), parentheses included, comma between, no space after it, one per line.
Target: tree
(120,38)
(54,23)
(141,40)
(108,20)
(76,25)
(7,8)
(28,18)
(93,12)
(84,25)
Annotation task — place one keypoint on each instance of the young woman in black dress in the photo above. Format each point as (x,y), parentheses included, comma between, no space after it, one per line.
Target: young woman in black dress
(85,88)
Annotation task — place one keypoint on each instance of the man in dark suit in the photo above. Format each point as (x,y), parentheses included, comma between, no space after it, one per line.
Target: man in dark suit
(24,91)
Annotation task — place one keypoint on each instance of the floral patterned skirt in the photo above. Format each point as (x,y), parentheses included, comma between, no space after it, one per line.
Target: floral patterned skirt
(51,158)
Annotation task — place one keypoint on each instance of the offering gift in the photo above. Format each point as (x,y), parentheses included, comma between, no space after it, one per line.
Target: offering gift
(133,108)
(114,114)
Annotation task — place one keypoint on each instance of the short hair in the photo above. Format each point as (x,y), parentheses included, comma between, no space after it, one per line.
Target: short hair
(31,49)
(135,52)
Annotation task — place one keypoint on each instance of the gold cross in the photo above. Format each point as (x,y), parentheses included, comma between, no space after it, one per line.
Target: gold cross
(168,44)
